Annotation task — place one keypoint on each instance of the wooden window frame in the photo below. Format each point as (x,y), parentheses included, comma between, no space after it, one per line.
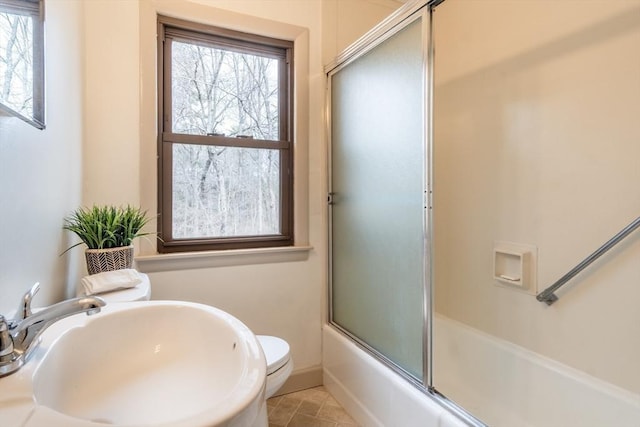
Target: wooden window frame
(190,31)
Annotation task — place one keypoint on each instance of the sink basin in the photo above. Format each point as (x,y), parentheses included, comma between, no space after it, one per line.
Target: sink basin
(159,363)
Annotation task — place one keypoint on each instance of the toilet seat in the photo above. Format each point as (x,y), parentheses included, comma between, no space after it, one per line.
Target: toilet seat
(276,351)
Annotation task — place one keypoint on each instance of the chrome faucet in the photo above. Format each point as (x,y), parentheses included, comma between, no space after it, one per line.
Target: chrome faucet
(20,336)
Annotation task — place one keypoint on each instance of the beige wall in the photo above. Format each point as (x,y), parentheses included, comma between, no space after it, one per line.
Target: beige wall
(344,21)
(286,298)
(111,103)
(536,142)
(40,171)
(99,147)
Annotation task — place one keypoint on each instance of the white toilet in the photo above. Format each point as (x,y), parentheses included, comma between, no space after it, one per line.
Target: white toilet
(279,362)
(276,350)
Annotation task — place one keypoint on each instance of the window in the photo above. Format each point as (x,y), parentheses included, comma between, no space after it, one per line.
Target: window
(22,60)
(225,138)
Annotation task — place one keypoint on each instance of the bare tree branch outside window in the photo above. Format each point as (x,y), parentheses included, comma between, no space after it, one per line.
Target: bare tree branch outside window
(21,61)
(224,191)
(225,134)
(16,53)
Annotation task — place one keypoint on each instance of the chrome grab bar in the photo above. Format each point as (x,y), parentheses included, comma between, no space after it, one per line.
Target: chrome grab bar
(549,297)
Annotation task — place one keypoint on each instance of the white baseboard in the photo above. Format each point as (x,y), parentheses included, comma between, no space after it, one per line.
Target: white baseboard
(302,379)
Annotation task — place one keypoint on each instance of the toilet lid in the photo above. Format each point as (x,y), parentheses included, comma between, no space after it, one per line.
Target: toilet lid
(276,351)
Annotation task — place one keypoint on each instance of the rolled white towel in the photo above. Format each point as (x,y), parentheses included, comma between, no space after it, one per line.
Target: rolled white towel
(110,281)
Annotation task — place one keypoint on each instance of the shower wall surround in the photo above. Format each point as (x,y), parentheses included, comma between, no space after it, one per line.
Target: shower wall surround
(534,144)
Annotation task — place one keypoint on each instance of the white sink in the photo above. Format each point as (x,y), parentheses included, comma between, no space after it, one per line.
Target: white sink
(157,363)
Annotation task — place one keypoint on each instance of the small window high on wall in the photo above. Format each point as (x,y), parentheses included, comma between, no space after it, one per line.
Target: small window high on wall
(225,138)
(22,60)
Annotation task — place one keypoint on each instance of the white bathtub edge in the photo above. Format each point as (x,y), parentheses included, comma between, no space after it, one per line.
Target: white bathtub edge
(349,402)
(517,387)
(373,394)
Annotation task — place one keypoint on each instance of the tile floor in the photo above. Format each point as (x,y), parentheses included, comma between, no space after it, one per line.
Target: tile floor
(313,407)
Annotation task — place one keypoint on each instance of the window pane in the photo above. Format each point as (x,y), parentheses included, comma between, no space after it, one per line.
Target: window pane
(225,191)
(16,62)
(222,92)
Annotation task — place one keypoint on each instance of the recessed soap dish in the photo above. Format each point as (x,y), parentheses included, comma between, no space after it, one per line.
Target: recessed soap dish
(514,266)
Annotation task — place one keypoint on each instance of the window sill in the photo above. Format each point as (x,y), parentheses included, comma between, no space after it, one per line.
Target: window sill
(225,258)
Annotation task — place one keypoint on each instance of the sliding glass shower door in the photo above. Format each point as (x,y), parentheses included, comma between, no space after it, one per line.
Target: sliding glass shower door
(378,197)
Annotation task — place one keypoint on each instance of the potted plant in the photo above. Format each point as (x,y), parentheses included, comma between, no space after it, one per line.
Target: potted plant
(108,232)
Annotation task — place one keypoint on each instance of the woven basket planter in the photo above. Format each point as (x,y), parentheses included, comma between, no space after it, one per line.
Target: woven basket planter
(100,260)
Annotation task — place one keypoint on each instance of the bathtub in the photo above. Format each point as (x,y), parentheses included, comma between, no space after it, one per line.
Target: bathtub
(513,387)
(373,394)
(506,385)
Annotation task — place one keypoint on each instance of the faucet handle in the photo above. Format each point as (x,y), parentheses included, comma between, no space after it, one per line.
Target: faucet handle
(24,309)
(6,342)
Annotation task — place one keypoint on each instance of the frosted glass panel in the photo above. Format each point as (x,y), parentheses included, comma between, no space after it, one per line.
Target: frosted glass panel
(377,177)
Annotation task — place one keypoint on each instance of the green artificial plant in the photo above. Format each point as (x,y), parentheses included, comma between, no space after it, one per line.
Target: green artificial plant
(104,227)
